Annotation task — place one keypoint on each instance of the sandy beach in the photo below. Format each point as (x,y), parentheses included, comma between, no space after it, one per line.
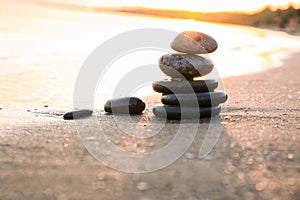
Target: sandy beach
(257,156)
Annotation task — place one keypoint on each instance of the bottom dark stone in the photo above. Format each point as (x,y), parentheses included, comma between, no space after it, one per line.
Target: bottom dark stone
(176,112)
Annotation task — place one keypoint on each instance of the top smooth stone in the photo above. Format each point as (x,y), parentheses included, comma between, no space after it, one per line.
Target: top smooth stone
(194,43)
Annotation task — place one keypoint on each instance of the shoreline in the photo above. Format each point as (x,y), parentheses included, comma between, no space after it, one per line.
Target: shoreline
(257,156)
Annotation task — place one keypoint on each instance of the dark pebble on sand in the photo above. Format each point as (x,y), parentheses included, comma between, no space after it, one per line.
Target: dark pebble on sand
(77,114)
(126,105)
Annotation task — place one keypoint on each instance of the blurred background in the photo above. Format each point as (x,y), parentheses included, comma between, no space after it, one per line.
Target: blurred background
(44,43)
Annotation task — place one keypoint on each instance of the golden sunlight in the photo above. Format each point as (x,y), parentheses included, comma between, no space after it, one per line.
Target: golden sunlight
(199,5)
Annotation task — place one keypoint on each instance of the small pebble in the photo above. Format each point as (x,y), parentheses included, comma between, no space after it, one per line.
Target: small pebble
(151,144)
(101,176)
(98,185)
(236,155)
(77,114)
(91,138)
(272,185)
(250,161)
(189,155)
(142,150)
(143,186)
(290,156)
(207,158)
(226,118)
(229,168)
(262,184)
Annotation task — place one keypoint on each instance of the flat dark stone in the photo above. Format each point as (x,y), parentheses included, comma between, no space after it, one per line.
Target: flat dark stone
(176,112)
(172,86)
(77,114)
(126,105)
(204,99)
(187,66)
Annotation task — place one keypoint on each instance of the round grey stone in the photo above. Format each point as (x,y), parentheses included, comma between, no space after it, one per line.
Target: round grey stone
(125,105)
(194,43)
(176,112)
(204,99)
(185,65)
(174,86)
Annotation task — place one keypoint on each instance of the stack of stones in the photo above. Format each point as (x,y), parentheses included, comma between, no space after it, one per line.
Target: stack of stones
(182,96)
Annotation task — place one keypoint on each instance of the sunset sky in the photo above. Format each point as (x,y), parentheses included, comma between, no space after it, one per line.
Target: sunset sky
(197,5)
(189,5)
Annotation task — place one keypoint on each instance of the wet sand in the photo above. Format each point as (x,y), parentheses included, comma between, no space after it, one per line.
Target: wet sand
(256,157)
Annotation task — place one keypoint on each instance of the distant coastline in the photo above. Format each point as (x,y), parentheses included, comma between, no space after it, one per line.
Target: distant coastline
(287,20)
